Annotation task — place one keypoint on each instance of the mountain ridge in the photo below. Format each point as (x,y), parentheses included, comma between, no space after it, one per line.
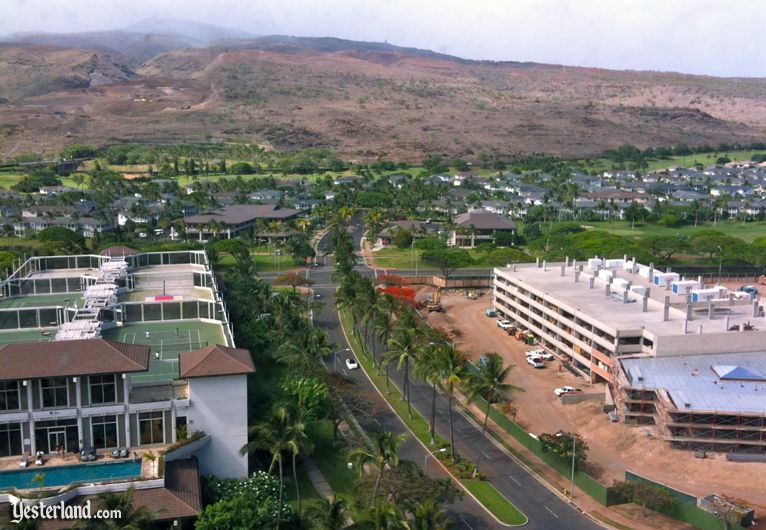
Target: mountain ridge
(365,100)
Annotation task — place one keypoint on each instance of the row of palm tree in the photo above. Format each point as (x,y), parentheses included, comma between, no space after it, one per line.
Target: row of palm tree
(412,346)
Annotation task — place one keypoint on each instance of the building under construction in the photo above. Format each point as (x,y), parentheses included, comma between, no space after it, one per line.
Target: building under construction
(700,402)
(671,350)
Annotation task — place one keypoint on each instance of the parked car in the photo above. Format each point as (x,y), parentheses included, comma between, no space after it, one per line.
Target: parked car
(504,324)
(540,353)
(749,289)
(490,312)
(560,391)
(351,364)
(535,362)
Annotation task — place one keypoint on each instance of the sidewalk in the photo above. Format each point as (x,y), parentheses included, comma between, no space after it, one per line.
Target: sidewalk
(317,479)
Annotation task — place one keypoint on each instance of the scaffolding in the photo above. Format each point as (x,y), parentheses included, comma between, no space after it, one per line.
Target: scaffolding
(711,430)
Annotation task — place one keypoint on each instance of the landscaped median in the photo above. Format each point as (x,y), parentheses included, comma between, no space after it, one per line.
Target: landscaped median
(484,492)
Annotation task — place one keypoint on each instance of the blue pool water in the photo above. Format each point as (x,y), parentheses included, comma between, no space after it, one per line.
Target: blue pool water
(63,475)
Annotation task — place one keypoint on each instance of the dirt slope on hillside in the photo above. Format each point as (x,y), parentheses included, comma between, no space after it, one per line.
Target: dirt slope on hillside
(365,104)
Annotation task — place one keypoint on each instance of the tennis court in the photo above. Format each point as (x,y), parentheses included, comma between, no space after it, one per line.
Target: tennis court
(40,300)
(30,335)
(168,340)
(189,293)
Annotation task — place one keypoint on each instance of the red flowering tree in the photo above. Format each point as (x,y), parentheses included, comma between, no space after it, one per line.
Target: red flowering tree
(405,294)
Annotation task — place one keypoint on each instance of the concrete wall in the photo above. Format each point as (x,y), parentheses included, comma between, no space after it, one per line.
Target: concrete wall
(218,406)
(710,343)
(571,399)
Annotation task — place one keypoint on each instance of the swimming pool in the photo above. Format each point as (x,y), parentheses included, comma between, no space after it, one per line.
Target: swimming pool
(63,475)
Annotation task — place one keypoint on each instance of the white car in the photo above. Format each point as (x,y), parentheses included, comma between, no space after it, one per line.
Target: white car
(535,362)
(540,353)
(504,324)
(566,390)
(351,364)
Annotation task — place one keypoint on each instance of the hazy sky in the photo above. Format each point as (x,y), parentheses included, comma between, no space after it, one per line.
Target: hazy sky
(716,37)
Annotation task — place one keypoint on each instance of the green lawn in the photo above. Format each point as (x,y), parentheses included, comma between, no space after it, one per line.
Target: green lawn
(263,262)
(331,460)
(485,492)
(394,258)
(747,231)
(309,494)
(706,159)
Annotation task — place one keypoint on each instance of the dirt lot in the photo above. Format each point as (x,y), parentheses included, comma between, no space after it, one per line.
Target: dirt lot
(613,447)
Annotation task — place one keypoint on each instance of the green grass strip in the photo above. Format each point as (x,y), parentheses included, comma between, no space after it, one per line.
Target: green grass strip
(485,492)
(495,502)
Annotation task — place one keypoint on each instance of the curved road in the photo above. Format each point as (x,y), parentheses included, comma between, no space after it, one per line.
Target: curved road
(545,509)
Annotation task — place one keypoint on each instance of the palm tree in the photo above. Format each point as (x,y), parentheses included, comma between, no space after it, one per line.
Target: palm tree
(150,457)
(452,372)
(327,515)
(132,518)
(384,322)
(384,453)
(429,515)
(39,478)
(385,516)
(298,440)
(303,354)
(489,383)
(427,368)
(404,347)
(276,436)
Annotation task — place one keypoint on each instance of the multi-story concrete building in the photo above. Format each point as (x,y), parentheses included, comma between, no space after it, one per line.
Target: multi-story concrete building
(110,352)
(640,330)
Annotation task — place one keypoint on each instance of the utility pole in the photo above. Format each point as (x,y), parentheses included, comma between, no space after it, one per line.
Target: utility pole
(574,452)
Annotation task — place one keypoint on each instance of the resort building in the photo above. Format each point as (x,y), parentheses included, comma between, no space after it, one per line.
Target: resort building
(477,227)
(234,220)
(118,354)
(670,350)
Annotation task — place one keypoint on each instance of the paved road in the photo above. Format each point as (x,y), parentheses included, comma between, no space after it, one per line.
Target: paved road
(545,509)
(467,514)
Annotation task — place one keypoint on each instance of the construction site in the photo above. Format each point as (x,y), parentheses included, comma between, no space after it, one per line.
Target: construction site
(614,447)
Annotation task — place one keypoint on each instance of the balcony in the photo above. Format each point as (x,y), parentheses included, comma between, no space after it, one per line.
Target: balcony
(153,393)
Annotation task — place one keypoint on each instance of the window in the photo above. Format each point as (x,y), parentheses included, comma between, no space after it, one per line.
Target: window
(151,427)
(9,395)
(103,389)
(55,392)
(104,429)
(10,439)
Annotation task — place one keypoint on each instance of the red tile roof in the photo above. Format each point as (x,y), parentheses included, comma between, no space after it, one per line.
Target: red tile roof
(29,360)
(179,498)
(216,360)
(118,251)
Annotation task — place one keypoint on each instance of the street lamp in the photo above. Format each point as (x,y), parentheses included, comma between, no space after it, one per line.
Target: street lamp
(431,453)
(335,359)
(277,253)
